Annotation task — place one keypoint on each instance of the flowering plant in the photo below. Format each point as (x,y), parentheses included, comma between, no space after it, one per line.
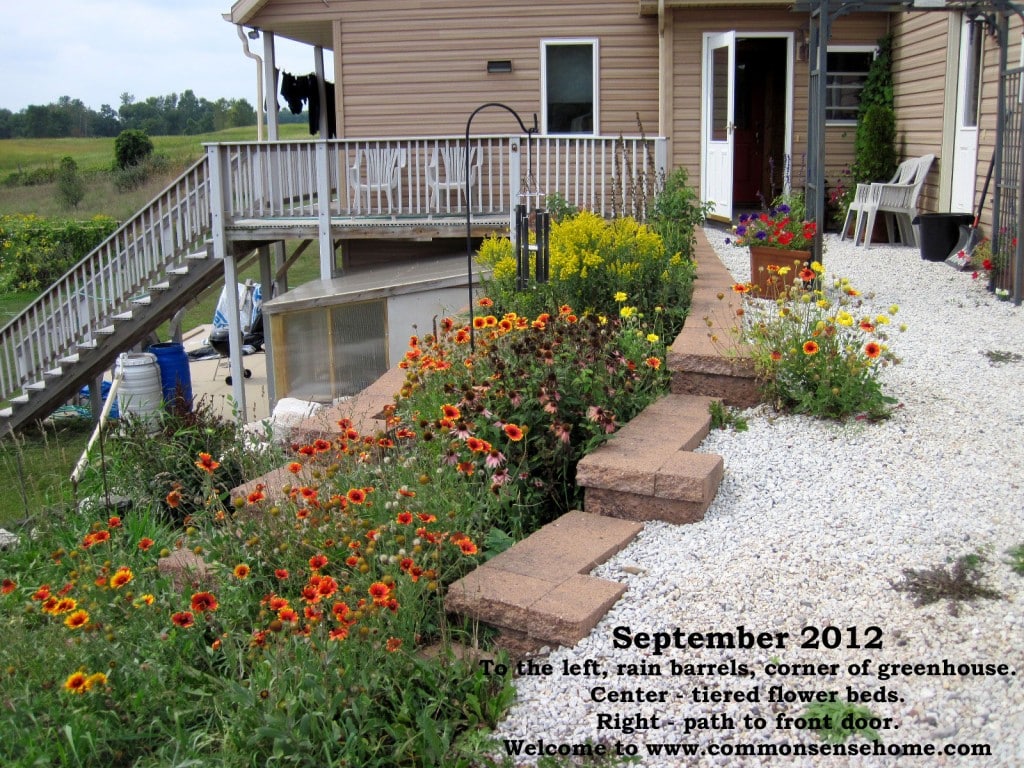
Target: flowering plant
(781,226)
(820,352)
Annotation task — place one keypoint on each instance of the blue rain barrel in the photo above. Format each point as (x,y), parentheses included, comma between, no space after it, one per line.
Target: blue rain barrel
(139,394)
(175,376)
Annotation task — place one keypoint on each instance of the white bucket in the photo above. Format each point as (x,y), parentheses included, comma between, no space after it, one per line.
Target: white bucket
(140,393)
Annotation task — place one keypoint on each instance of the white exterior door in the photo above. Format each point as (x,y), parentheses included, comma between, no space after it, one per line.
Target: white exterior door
(718,122)
(965,135)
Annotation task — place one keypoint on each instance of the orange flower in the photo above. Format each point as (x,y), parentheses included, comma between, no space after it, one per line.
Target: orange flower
(485,302)
(256,496)
(121,577)
(467,546)
(7,586)
(872,349)
(77,620)
(393,644)
(356,495)
(379,591)
(76,683)
(316,562)
(204,601)
(242,571)
(207,463)
(404,518)
(810,348)
(740,288)
(867,326)
(295,467)
(183,619)
(451,412)
(653,362)
(114,522)
(513,432)
(775,355)
(145,543)
(807,274)
(281,573)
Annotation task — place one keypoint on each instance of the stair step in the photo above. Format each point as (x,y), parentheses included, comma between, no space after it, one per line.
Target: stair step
(53,373)
(163,285)
(6,413)
(91,344)
(36,386)
(19,400)
(198,256)
(70,360)
(179,271)
(128,315)
(143,301)
(107,330)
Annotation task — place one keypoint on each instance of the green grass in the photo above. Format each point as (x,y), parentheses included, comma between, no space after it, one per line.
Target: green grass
(38,467)
(98,154)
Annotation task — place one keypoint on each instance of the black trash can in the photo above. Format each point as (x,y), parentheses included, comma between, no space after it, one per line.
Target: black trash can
(940,232)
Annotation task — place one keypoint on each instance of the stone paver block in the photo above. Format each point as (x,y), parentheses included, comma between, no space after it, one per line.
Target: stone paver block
(186,569)
(741,392)
(568,613)
(630,506)
(687,476)
(495,596)
(621,465)
(575,543)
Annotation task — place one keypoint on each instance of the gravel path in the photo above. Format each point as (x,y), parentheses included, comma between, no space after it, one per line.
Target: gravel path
(812,525)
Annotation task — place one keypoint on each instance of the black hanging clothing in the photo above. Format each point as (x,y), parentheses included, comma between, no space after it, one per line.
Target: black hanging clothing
(294,90)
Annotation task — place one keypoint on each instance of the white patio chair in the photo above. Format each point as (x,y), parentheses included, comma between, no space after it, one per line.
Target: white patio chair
(447,172)
(375,172)
(895,199)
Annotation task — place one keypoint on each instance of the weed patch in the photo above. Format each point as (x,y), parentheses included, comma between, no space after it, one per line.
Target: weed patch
(963,581)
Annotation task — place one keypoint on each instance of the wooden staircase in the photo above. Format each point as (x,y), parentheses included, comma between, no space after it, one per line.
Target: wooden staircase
(153,265)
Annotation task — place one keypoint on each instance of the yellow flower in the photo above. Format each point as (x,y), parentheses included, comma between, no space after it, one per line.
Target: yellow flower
(844,318)
(652,337)
(816,266)
(881,320)
(894,309)
(620,296)
(785,270)
(822,303)
(627,311)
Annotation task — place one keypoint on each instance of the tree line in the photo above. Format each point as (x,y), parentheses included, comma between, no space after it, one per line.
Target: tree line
(171,115)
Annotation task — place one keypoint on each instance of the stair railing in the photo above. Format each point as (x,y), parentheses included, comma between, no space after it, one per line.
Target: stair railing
(140,252)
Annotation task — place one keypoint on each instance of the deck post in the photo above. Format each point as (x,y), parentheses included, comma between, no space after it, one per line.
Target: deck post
(323,207)
(218,206)
(515,180)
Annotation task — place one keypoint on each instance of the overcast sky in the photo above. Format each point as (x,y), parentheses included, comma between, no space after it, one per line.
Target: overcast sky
(95,50)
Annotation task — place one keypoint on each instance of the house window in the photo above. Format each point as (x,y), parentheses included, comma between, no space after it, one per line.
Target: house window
(569,86)
(847,72)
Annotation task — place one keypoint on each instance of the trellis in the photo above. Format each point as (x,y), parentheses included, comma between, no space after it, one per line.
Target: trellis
(1008,208)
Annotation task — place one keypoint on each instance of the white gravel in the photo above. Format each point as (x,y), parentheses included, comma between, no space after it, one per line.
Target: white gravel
(812,525)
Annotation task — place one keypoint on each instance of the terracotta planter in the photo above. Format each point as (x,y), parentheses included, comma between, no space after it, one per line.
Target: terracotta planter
(764,264)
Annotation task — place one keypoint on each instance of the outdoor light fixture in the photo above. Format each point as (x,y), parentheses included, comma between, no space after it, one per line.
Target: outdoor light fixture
(499,66)
(254,33)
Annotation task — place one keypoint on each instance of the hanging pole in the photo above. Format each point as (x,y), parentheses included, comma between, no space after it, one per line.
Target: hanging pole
(469,201)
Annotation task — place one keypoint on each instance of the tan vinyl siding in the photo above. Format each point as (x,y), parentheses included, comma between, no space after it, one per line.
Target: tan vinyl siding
(416,70)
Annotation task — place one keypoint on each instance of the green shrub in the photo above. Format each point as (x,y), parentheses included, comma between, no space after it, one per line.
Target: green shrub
(677,213)
(35,251)
(131,147)
(592,261)
(875,145)
(70,186)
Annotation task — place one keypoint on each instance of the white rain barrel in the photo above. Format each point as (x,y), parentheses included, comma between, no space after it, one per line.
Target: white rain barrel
(140,393)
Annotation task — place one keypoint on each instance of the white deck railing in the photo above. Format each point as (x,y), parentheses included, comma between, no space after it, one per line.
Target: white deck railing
(286,179)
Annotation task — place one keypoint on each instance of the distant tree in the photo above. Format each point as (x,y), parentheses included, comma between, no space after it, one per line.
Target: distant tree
(131,147)
(70,186)
(6,124)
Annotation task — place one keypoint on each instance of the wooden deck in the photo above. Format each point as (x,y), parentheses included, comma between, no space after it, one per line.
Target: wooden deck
(375,227)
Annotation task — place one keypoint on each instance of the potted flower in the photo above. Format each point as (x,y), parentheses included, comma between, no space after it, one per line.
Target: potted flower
(779,239)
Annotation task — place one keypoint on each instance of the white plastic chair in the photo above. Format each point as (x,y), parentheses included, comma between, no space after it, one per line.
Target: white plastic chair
(376,171)
(896,199)
(447,172)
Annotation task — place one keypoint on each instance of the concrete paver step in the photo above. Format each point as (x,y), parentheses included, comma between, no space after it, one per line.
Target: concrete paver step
(538,588)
